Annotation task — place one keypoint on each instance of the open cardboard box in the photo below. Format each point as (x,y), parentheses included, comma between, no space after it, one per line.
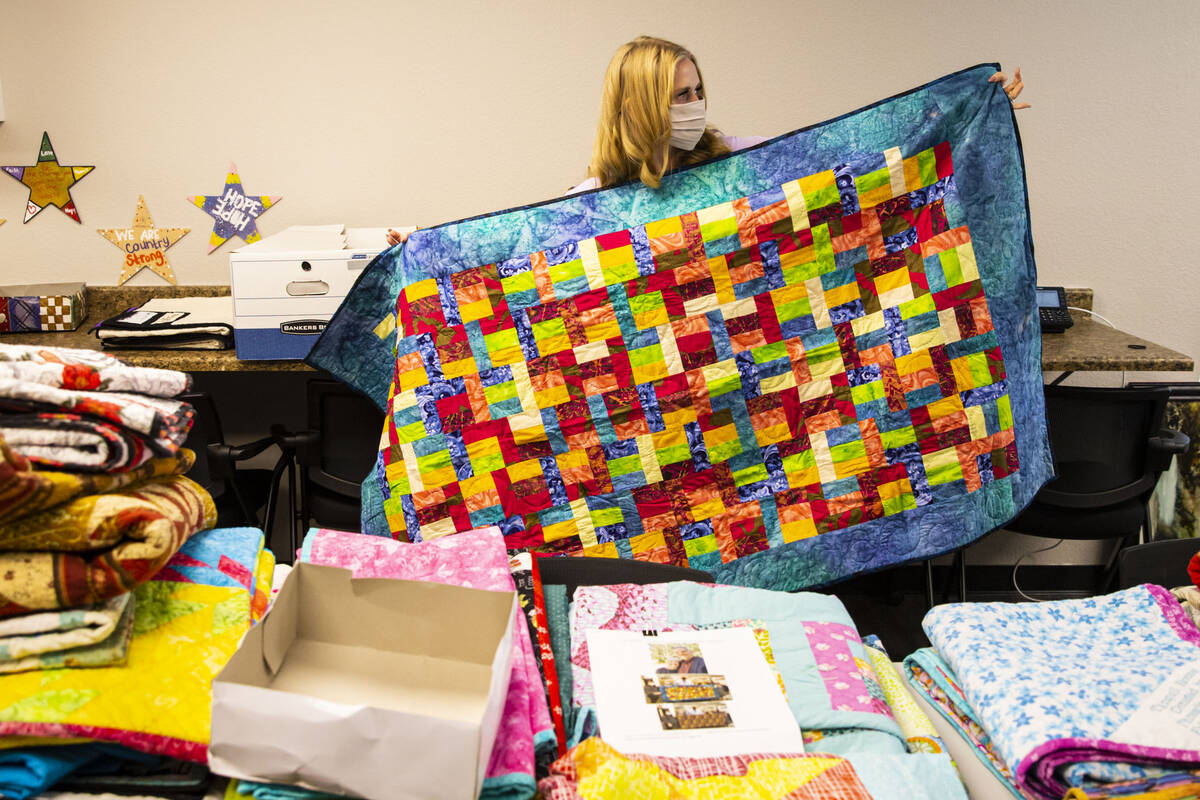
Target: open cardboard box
(370,687)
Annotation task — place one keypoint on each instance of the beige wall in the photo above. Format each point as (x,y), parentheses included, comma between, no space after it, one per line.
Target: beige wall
(374,113)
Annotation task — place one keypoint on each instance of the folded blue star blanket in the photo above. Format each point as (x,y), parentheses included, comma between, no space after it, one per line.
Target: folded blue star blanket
(1100,696)
(809,359)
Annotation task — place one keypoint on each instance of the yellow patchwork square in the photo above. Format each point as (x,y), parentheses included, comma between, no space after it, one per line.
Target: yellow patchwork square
(410,379)
(555,395)
(477,484)
(559,530)
(800,529)
(530,468)
(666,227)
(891,280)
(926,339)
(480,309)
(913,362)
(425,288)
(708,509)
(456,369)
(616,257)
(840,295)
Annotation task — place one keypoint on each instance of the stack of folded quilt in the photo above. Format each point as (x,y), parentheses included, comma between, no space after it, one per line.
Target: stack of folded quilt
(1081,699)
(71,409)
(186,622)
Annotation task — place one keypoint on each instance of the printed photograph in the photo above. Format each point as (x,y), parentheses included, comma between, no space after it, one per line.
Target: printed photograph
(678,658)
(694,716)
(684,688)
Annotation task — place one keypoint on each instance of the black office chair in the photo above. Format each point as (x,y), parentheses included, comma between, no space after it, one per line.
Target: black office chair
(575,571)
(333,456)
(1109,449)
(243,497)
(1163,562)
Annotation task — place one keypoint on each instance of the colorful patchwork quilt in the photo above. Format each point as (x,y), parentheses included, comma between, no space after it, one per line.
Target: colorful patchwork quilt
(160,700)
(1100,695)
(816,357)
(594,770)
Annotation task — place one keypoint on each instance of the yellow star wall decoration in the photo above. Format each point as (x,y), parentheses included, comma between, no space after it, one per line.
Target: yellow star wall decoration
(144,243)
(49,183)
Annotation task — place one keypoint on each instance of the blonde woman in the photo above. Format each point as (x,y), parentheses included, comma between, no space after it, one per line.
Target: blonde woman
(653,118)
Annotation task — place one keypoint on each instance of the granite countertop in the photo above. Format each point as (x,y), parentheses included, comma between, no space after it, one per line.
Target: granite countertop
(1094,346)
(1088,345)
(107,301)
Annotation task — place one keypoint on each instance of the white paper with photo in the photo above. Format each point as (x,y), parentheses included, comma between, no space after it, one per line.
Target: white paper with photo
(689,693)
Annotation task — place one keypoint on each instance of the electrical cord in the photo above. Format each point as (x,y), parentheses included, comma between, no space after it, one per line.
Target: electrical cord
(1018,564)
(1093,313)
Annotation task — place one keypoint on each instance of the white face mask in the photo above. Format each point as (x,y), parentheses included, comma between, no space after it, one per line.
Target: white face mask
(687,124)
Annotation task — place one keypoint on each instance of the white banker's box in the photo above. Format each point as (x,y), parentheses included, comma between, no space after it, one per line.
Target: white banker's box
(286,286)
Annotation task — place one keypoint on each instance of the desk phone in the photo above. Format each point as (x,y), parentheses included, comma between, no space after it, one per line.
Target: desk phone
(1052,307)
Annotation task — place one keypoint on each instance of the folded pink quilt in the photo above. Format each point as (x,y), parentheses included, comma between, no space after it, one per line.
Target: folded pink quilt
(475,559)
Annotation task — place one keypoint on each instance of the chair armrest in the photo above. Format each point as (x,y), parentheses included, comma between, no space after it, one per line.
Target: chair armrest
(305,444)
(1163,446)
(222,457)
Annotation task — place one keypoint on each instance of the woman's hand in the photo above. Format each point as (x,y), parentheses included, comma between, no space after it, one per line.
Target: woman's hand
(395,237)
(1013,89)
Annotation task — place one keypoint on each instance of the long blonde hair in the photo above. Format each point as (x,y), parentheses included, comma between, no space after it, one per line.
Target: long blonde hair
(633,137)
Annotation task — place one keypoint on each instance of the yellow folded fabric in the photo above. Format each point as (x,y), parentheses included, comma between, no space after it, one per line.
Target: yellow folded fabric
(124,538)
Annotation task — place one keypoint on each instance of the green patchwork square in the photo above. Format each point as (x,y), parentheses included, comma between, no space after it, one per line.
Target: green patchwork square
(566,271)
(624,465)
(894,505)
(795,309)
(501,391)
(951,267)
(825,196)
(521,282)
(927,167)
(944,473)
(433,461)
(848,451)
(917,306)
(620,272)
(650,354)
(645,303)
(673,454)
(754,474)
(489,461)
(1004,412)
(823,353)
(873,180)
(410,432)
(548,329)
(724,451)
(866,392)
(980,374)
(720,386)
(606,516)
(803,460)
(718,229)
(501,340)
(700,545)
(898,437)
(770,352)
(823,246)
